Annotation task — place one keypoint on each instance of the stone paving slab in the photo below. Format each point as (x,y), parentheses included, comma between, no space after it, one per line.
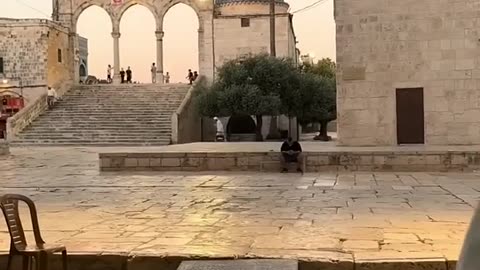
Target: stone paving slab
(325,220)
(240,265)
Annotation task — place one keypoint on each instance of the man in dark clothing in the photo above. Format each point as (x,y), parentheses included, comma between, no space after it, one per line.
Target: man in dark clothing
(291,153)
(190,76)
(195,76)
(122,75)
(129,75)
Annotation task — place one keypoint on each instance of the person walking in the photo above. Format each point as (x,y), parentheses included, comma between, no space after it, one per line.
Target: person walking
(122,75)
(195,76)
(51,97)
(167,78)
(190,76)
(153,70)
(109,74)
(129,75)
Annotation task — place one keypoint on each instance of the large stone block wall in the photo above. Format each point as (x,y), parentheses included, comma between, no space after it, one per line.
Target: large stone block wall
(233,41)
(384,45)
(23,47)
(270,161)
(59,72)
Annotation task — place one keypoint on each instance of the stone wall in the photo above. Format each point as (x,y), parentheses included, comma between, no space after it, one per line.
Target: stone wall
(314,161)
(384,45)
(24,50)
(233,41)
(59,71)
(186,122)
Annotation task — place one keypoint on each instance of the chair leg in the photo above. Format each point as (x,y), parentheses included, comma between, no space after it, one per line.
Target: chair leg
(64,259)
(9,262)
(42,261)
(25,262)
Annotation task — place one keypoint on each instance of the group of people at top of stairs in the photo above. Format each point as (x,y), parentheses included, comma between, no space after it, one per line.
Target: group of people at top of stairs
(191,77)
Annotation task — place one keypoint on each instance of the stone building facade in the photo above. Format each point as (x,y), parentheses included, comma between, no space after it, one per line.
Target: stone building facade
(408,72)
(35,53)
(243,27)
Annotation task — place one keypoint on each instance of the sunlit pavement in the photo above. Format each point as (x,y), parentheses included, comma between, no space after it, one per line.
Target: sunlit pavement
(325,217)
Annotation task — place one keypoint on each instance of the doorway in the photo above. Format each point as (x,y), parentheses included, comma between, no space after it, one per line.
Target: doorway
(410,116)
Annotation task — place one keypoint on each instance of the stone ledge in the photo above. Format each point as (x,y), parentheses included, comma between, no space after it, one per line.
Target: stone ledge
(270,161)
(127,261)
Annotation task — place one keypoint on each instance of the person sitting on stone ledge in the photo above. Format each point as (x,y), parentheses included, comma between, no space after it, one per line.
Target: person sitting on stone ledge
(291,153)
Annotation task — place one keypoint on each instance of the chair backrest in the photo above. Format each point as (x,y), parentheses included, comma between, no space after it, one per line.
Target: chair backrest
(9,205)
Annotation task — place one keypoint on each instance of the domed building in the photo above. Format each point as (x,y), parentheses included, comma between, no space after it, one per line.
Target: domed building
(242,27)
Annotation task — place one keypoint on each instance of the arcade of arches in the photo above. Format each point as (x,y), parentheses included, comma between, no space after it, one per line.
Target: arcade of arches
(68,14)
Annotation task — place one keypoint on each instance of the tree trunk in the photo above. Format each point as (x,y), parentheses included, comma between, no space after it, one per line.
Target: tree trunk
(258,130)
(273,134)
(323,136)
(323,128)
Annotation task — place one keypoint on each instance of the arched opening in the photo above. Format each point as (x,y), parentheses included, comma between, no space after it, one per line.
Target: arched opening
(95,25)
(180,26)
(241,128)
(138,42)
(82,71)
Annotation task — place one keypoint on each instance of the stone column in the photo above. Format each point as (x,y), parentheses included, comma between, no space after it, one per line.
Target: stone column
(116,57)
(159,34)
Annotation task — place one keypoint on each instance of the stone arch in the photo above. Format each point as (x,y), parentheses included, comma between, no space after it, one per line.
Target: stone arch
(191,3)
(83,6)
(128,4)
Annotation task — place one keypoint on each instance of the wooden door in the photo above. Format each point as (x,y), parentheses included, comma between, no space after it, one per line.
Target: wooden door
(410,116)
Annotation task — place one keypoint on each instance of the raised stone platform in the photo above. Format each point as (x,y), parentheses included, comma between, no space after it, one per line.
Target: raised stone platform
(265,157)
(4,149)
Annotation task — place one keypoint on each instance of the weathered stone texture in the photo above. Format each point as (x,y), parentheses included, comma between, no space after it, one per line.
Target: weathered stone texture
(269,161)
(23,46)
(384,45)
(4,150)
(233,41)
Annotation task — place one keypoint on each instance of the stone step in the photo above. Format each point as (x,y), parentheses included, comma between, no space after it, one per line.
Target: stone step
(67,128)
(108,115)
(77,143)
(96,138)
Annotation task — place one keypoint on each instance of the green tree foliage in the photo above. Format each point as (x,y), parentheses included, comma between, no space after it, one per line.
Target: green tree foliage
(263,85)
(325,68)
(251,86)
(319,83)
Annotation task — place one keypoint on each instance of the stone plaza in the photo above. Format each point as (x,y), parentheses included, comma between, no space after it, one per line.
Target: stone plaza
(137,220)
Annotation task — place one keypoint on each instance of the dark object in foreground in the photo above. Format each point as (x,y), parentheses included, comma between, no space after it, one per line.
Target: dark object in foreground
(469,259)
(18,242)
(240,265)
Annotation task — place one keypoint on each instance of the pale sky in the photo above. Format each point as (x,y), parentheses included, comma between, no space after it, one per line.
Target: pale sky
(315,30)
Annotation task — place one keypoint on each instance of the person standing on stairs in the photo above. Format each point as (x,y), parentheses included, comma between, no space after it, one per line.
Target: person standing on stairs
(129,75)
(190,77)
(167,78)
(153,70)
(122,75)
(109,74)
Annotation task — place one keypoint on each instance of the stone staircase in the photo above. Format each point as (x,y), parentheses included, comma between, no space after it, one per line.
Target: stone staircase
(105,115)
